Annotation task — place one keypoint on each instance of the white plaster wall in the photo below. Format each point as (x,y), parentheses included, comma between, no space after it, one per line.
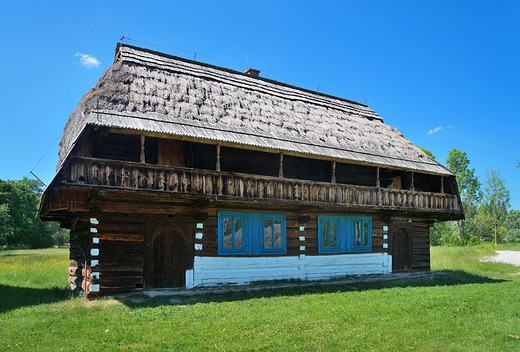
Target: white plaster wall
(210,271)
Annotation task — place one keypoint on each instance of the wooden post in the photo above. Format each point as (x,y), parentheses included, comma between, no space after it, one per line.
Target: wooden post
(442,184)
(412,186)
(378,183)
(142,150)
(218,158)
(280,173)
(333,172)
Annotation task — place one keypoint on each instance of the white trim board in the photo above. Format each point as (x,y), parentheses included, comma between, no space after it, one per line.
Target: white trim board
(211,271)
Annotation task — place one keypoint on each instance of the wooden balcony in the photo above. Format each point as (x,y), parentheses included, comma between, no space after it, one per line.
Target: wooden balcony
(137,176)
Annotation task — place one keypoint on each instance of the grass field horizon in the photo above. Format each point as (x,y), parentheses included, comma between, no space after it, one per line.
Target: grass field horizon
(474,308)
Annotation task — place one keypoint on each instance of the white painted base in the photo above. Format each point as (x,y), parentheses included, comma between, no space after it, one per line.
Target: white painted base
(189,279)
(210,271)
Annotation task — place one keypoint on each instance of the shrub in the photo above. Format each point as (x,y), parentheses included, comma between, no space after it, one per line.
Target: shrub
(513,236)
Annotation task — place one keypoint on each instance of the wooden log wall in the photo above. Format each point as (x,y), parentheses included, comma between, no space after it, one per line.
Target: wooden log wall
(117,247)
(294,230)
(182,180)
(80,278)
(420,245)
(114,246)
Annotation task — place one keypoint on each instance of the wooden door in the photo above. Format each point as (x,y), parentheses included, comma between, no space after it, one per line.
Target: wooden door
(401,246)
(400,250)
(169,260)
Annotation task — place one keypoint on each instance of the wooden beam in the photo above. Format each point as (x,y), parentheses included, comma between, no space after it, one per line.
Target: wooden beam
(378,182)
(143,161)
(218,158)
(412,186)
(442,184)
(280,173)
(333,171)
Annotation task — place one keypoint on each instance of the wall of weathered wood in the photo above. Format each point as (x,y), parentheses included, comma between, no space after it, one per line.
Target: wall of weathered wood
(109,233)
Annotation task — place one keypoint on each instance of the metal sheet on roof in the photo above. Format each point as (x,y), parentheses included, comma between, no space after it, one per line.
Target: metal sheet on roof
(159,123)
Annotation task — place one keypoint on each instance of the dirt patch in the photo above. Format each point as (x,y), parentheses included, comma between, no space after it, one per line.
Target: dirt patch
(507,257)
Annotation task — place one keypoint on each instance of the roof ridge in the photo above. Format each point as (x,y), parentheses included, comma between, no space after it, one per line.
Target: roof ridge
(312,93)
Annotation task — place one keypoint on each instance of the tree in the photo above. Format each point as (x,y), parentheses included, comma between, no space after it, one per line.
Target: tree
(5,223)
(469,185)
(513,220)
(513,236)
(19,226)
(518,162)
(427,152)
(497,198)
(444,234)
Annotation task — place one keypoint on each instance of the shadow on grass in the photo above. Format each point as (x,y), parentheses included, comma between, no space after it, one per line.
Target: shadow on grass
(236,293)
(13,297)
(14,255)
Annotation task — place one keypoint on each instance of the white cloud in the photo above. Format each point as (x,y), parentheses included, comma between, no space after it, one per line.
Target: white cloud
(87,60)
(435,130)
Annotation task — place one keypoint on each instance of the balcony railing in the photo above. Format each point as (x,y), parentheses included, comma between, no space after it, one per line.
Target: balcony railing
(131,175)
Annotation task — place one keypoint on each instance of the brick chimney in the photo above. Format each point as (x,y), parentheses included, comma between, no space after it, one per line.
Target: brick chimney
(252,72)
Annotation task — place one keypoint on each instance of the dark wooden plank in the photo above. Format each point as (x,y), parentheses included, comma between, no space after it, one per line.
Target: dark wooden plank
(417,251)
(118,282)
(416,239)
(421,264)
(118,257)
(118,267)
(128,228)
(420,257)
(420,245)
(119,237)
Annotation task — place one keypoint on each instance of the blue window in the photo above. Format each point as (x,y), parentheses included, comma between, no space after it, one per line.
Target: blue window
(232,228)
(342,234)
(362,234)
(242,233)
(272,233)
(330,234)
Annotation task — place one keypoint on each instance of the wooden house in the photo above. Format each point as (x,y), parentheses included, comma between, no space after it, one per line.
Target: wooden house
(175,173)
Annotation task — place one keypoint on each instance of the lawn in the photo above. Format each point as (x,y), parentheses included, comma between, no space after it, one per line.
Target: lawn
(475,308)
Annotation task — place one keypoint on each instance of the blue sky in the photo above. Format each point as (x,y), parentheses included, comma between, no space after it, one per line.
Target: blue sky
(445,73)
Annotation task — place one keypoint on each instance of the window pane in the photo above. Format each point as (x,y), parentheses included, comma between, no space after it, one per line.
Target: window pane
(358,233)
(238,232)
(325,233)
(228,234)
(278,234)
(333,233)
(268,234)
(365,233)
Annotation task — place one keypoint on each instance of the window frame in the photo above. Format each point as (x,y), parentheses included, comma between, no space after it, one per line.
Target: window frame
(245,245)
(259,221)
(346,234)
(363,247)
(252,233)
(339,235)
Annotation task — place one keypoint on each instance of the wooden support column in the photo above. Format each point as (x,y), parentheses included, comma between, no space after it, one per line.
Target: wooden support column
(442,184)
(142,150)
(333,171)
(280,173)
(412,186)
(378,182)
(218,158)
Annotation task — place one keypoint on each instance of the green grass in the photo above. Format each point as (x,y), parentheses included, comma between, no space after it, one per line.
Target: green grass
(476,308)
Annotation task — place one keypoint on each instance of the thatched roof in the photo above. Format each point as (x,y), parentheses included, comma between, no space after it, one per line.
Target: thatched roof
(154,92)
